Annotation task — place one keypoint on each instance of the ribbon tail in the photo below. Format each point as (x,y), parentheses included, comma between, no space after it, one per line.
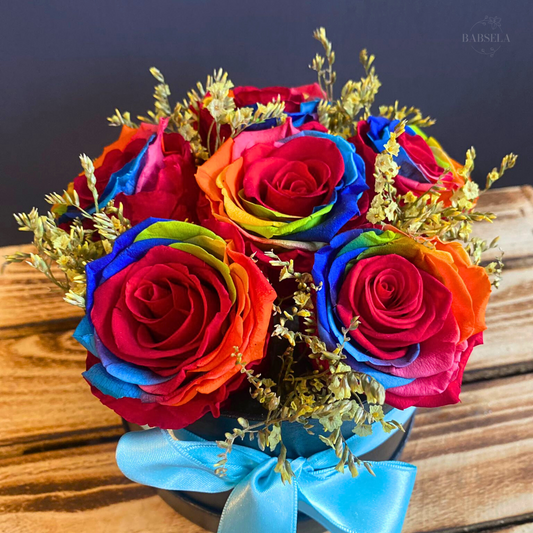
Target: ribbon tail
(365,504)
(261,503)
(153,458)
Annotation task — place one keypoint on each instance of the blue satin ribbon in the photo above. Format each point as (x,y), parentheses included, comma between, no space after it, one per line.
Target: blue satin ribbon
(259,501)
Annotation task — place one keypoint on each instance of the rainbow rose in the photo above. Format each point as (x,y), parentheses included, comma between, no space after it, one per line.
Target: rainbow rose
(293,97)
(148,171)
(301,105)
(421,311)
(283,186)
(165,311)
(422,160)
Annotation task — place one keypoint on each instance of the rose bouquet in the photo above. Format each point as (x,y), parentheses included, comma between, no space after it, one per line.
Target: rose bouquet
(273,279)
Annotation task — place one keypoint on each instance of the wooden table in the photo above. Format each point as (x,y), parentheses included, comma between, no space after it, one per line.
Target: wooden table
(57,442)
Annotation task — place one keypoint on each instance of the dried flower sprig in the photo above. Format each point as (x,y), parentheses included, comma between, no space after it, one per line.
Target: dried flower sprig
(217,98)
(457,221)
(70,250)
(341,116)
(162,108)
(242,118)
(412,115)
(326,75)
(495,174)
(385,204)
(121,119)
(427,217)
(329,391)
(494,270)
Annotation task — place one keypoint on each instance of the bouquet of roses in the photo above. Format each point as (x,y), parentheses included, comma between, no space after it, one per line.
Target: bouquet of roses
(280,243)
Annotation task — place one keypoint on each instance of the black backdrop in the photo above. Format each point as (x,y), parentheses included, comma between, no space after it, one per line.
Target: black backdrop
(65,65)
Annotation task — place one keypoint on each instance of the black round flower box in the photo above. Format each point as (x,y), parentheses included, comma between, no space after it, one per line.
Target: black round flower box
(205,509)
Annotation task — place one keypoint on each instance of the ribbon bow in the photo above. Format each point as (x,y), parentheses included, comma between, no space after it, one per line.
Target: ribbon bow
(259,501)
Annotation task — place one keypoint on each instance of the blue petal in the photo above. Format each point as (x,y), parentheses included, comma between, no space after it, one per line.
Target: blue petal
(342,212)
(379,134)
(95,269)
(387,380)
(98,377)
(130,255)
(321,264)
(408,167)
(309,107)
(127,372)
(346,237)
(84,334)
(306,114)
(337,269)
(123,180)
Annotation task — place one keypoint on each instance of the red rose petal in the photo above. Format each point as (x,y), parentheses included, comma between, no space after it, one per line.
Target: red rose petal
(398,305)
(274,178)
(178,335)
(422,396)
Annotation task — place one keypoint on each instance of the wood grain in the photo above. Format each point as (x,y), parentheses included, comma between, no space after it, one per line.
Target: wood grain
(139,516)
(475,459)
(514,208)
(28,298)
(509,335)
(44,400)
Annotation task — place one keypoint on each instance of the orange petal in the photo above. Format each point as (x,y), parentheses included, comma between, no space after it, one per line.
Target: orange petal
(476,280)
(207,174)
(248,331)
(125,137)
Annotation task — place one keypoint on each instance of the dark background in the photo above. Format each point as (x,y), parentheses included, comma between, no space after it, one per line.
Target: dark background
(65,66)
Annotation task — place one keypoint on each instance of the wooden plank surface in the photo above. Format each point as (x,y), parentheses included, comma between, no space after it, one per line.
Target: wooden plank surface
(514,209)
(508,340)
(522,528)
(475,464)
(475,460)
(57,469)
(28,298)
(44,400)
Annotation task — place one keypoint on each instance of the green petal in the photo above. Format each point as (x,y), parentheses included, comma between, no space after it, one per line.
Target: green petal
(263,212)
(302,224)
(195,240)
(369,239)
(212,261)
(174,229)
